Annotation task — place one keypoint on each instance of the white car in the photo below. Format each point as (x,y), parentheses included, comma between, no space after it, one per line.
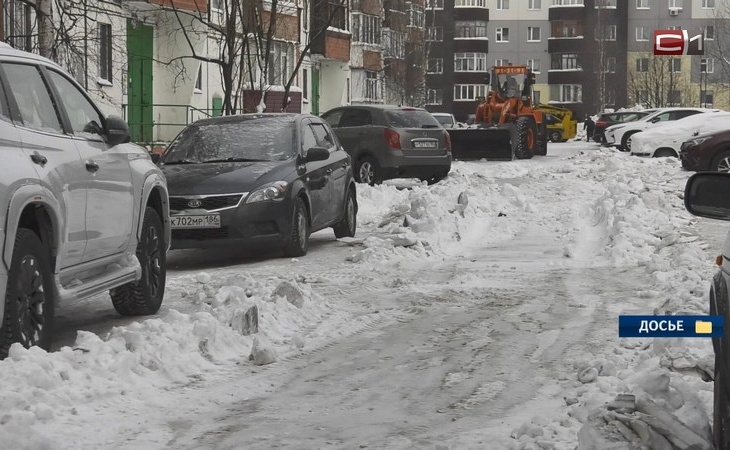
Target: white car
(619,135)
(667,138)
(446,120)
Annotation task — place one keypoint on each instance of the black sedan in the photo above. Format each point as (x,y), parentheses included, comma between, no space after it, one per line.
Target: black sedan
(258,180)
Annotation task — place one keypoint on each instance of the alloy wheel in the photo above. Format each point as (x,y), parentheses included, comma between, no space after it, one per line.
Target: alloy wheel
(153,257)
(366,172)
(724,164)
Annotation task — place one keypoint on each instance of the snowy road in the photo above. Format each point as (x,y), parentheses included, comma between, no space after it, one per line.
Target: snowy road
(495,327)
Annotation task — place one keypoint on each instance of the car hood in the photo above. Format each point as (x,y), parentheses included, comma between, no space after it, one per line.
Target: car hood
(222,178)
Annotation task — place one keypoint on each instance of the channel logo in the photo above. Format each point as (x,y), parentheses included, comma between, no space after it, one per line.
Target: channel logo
(671,326)
(678,42)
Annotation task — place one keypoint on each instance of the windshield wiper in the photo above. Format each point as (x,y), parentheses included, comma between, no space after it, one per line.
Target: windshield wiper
(430,126)
(231,160)
(179,161)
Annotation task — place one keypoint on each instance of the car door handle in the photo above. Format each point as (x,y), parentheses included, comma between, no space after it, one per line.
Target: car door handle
(91,166)
(38,158)
(329,170)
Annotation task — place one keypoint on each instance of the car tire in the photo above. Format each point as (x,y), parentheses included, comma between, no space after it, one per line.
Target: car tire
(665,153)
(30,295)
(299,234)
(721,162)
(348,225)
(144,297)
(368,171)
(556,136)
(626,141)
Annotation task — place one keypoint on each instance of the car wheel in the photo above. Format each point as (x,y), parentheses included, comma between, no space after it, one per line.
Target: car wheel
(664,153)
(144,297)
(348,225)
(30,295)
(299,234)
(721,162)
(556,136)
(626,142)
(368,171)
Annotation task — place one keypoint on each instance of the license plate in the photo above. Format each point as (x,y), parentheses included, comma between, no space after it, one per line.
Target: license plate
(424,144)
(196,221)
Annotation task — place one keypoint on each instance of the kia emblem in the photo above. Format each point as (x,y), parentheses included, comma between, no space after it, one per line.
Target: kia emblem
(195,203)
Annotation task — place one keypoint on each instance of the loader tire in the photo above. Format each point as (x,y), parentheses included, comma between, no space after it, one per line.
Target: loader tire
(526,138)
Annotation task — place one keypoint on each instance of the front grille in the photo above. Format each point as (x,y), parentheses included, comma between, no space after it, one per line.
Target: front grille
(201,234)
(208,203)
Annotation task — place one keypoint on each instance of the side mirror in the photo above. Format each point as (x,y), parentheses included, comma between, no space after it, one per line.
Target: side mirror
(705,195)
(317,154)
(155,157)
(654,120)
(117,130)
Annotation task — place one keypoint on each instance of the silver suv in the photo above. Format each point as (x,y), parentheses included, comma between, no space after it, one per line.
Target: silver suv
(81,210)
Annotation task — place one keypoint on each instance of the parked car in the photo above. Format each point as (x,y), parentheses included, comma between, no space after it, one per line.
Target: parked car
(605,120)
(620,135)
(705,195)
(82,211)
(667,138)
(258,180)
(388,141)
(446,120)
(707,152)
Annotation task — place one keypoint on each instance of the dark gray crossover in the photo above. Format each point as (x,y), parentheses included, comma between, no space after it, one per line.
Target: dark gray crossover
(258,180)
(388,141)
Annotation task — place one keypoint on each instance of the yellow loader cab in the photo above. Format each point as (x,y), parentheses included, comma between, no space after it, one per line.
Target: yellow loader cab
(560,123)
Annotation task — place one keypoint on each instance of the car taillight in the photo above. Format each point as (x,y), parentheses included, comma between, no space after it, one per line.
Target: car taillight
(392,138)
(601,124)
(448,140)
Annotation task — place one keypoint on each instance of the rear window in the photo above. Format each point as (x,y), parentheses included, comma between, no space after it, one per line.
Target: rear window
(444,120)
(263,139)
(411,118)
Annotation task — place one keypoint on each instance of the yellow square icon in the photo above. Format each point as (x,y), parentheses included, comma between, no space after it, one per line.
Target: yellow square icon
(702,327)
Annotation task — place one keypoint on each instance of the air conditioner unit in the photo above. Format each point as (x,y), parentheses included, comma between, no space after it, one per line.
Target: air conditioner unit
(674,11)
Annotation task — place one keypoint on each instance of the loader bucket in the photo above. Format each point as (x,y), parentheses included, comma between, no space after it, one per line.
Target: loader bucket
(492,143)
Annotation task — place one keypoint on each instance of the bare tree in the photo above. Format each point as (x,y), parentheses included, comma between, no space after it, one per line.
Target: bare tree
(657,81)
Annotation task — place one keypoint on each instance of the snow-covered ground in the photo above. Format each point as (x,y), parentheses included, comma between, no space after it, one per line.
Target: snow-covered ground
(480,312)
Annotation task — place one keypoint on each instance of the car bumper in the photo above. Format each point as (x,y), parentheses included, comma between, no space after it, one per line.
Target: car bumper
(260,224)
(398,164)
(693,163)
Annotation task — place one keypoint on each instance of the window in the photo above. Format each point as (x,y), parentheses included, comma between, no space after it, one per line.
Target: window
(415,16)
(642,4)
(610,65)
(435,65)
(215,5)
(356,117)
(708,4)
(707,98)
(642,34)
(642,65)
(199,79)
(84,117)
(566,93)
(470,3)
(674,97)
(642,96)
(605,4)
(710,32)
(567,2)
(339,13)
(372,86)
(675,4)
(393,43)
(566,28)
(434,34)
(707,65)
(305,84)
(675,65)
(395,5)
(434,97)
(502,4)
(533,34)
(534,65)
(308,138)
(501,62)
(105,51)
(564,61)
(434,4)
(534,5)
(502,34)
(536,97)
(31,95)
(608,33)
(610,97)
(465,92)
(281,63)
(4,114)
(365,28)
(324,139)
(470,62)
(470,29)
(19,18)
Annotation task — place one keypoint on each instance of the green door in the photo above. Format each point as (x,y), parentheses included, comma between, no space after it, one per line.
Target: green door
(139,79)
(315,91)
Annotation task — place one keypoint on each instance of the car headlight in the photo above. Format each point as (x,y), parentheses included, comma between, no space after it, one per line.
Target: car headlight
(273,191)
(696,141)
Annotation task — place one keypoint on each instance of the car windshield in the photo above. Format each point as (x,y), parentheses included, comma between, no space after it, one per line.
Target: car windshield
(445,120)
(260,139)
(411,118)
